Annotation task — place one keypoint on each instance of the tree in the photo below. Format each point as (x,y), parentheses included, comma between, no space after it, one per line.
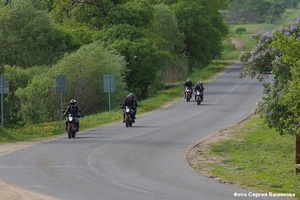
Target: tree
(258,11)
(129,34)
(137,14)
(37,99)
(164,30)
(143,61)
(84,70)
(203,28)
(18,78)
(93,13)
(28,37)
(277,52)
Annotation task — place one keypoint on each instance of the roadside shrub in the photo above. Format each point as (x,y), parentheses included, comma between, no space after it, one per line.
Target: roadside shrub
(240,30)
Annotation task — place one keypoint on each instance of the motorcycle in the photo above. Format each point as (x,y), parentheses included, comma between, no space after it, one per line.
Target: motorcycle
(72,126)
(198,96)
(128,116)
(187,94)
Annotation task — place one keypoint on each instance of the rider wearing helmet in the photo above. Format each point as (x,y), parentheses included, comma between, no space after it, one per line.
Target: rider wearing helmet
(132,103)
(74,110)
(189,84)
(200,87)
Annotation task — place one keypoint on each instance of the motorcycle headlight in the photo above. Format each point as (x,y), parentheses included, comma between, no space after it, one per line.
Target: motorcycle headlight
(70,118)
(127,109)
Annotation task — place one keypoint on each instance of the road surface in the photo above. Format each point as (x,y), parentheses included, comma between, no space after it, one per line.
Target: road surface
(144,162)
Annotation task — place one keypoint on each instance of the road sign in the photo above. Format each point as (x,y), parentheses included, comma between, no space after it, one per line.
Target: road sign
(61,83)
(3,81)
(61,80)
(108,83)
(4,90)
(108,86)
(61,87)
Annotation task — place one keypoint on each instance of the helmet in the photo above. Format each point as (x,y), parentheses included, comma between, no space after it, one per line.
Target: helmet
(199,83)
(188,80)
(73,102)
(131,95)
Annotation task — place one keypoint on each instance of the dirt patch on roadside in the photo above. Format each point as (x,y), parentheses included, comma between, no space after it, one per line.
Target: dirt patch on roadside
(238,43)
(14,193)
(198,158)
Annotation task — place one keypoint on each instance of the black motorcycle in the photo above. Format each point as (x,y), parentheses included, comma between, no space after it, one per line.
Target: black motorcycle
(198,96)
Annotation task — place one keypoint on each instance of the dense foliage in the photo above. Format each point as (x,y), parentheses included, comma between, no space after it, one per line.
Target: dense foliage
(277,52)
(28,37)
(140,42)
(203,28)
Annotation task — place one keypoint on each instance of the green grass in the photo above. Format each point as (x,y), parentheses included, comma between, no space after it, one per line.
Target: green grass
(257,158)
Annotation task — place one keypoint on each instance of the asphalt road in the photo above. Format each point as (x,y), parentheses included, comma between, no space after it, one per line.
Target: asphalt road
(144,162)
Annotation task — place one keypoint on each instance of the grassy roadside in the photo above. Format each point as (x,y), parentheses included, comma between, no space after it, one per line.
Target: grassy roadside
(251,156)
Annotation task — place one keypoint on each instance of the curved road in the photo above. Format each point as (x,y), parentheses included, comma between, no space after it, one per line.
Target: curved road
(145,162)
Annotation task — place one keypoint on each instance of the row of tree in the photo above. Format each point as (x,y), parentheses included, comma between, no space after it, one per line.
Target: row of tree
(257,11)
(138,41)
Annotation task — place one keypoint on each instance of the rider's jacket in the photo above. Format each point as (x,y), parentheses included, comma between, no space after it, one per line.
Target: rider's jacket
(72,109)
(132,103)
(201,88)
(188,84)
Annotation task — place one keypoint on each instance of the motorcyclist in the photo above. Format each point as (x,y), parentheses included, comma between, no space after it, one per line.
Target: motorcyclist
(200,87)
(74,110)
(189,84)
(132,103)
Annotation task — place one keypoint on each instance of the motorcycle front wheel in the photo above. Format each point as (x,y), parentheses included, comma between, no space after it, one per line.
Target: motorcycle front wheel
(198,100)
(127,121)
(187,98)
(69,132)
